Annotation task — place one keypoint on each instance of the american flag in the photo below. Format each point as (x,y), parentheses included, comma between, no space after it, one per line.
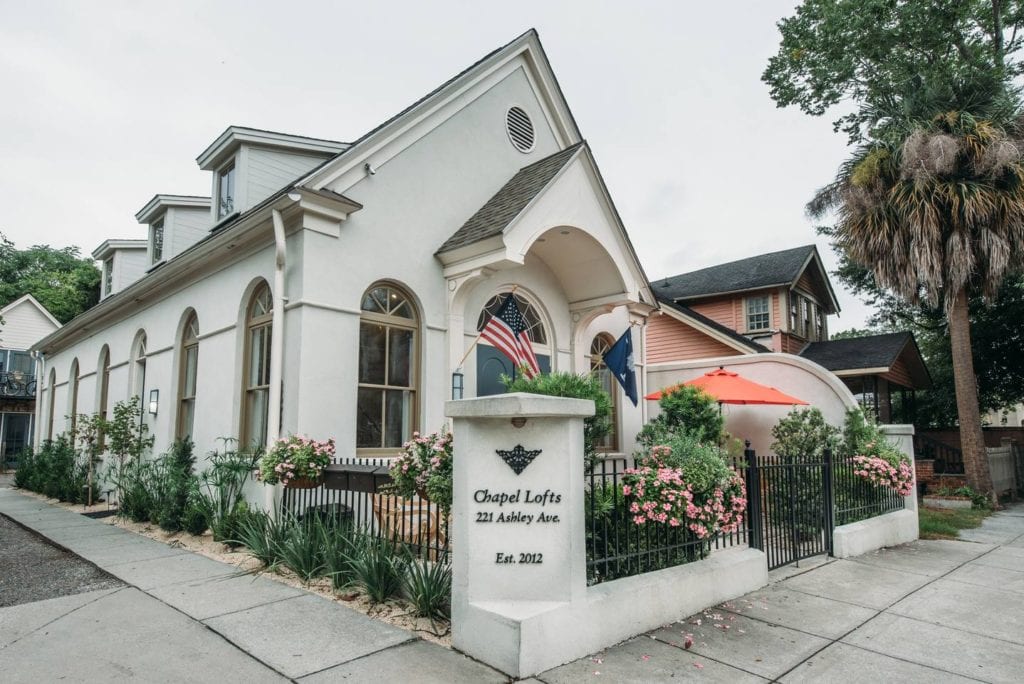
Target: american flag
(507,331)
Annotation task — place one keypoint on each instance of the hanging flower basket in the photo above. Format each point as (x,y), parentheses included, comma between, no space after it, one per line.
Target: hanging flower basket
(297,462)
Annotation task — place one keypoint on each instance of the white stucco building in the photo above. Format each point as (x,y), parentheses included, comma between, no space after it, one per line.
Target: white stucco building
(332,289)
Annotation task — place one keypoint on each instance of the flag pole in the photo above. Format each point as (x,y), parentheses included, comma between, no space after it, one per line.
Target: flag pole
(478,336)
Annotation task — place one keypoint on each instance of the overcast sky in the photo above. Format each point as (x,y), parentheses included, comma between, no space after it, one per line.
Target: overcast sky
(107,103)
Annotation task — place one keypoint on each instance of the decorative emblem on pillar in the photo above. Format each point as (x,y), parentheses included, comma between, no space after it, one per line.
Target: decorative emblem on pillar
(518,458)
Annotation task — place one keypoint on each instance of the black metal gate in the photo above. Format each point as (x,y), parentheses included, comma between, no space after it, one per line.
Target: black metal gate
(790,506)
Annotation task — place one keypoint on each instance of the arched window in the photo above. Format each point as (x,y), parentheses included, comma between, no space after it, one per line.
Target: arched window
(104,394)
(256,399)
(138,370)
(73,397)
(388,372)
(51,400)
(189,355)
(598,348)
(491,363)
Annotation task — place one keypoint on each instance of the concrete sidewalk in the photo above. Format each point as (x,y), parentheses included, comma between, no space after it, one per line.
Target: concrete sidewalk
(184,617)
(930,611)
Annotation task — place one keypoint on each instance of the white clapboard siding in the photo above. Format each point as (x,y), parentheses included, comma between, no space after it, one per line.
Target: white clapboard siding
(24,325)
(270,170)
(130,265)
(189,226)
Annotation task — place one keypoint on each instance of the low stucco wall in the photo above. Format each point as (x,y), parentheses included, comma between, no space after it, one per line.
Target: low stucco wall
(790,374)
(891,529)
(549,634)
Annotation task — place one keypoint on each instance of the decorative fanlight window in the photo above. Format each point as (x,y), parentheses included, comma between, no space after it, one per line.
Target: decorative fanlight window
(534,325)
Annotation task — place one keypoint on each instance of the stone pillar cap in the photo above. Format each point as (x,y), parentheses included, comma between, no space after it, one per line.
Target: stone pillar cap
(519,404)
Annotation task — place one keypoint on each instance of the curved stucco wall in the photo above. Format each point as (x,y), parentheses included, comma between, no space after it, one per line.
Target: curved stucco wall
(793,375)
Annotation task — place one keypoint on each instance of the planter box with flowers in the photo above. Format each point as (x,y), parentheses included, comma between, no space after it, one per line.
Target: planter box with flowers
(297,462)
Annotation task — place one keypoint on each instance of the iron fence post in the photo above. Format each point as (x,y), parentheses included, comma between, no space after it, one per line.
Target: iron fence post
(755,528)
(829,500)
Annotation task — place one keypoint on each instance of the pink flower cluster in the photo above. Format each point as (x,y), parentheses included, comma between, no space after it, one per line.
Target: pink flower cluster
(295,457)
(659,493)
(423,457)
(881,472)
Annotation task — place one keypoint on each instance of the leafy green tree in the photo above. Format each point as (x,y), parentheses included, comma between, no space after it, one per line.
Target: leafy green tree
(931,200)
(64,282)
(684,410)
(997,343)
(873,53)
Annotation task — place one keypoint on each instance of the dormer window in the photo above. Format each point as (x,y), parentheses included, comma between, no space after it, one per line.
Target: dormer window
(158,241)
(108,276)
(226,191)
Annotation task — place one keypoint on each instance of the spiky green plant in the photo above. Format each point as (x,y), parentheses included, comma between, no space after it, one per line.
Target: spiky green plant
(428,586)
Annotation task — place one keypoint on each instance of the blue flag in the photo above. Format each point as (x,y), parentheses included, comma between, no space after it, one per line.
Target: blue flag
(619,360)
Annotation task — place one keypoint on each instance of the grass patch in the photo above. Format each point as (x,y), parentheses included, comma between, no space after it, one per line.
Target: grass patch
(935,523)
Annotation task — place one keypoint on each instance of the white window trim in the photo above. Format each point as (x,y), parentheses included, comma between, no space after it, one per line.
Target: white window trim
(746,313)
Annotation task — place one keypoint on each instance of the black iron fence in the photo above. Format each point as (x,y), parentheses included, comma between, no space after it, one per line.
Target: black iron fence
(616,547)
(796,503)
(857,498)
(417,523)
(947,459)
(789,507)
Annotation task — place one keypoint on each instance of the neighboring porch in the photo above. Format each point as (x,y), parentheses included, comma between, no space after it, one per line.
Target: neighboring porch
(883,372)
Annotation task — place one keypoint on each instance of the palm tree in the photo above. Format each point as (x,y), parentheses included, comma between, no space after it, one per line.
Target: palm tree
(933,205)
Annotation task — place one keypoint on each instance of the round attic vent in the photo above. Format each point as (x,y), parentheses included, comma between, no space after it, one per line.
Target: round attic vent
(520,129)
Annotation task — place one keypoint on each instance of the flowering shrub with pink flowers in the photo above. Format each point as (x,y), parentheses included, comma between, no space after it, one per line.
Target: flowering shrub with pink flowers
(894,473)
(685,484)
(295,457)
(424,468)
(873,456)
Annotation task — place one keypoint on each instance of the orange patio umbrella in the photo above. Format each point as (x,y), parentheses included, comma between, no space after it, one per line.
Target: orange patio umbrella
(730,388)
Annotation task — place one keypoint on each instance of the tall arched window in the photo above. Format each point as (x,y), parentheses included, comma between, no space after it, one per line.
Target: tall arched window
(51,400)
(598,348)
(73,397)
(388,372)
(103,368)
(491,363)
(187,382)
(138,370)
(258,318)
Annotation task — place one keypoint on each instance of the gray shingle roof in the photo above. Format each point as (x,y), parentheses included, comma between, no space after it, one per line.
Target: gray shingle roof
(711,323)
(492,218)
(875,351)
(763,270)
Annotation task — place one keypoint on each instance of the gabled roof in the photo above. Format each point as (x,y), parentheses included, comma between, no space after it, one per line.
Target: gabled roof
(499,211)
(108,246)
(233,136)
(703,321)
(29,299)
(320,176)
(775,269)
(875,354)
(160,203)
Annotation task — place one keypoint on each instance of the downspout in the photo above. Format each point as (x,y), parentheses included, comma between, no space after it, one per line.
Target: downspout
(40,369)
(276,343)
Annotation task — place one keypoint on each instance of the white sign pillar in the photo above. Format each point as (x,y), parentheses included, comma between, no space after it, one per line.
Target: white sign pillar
(518,526)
